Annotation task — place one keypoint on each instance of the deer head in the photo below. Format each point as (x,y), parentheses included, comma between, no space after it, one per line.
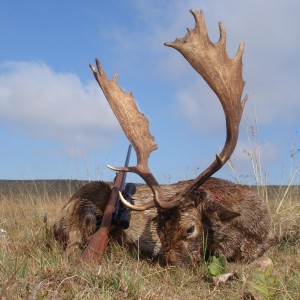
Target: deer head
(179,224)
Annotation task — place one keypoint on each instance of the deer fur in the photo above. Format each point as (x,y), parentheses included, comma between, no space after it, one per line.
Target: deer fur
(222,219)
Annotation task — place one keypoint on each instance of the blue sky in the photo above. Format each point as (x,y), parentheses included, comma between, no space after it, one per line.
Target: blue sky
(55,122)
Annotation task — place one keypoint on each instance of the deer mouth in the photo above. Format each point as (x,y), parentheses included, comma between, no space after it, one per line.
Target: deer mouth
(182,258)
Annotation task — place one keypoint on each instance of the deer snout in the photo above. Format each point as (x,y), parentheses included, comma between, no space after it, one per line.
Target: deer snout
(171,257)
(181,256)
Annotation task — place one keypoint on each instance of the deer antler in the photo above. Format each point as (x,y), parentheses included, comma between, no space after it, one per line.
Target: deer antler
(136,127)
(223,75)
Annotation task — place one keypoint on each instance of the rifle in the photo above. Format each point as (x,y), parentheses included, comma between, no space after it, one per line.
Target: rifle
(98,241)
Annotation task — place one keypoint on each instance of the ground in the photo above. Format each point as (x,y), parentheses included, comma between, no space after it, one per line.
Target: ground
(32,266)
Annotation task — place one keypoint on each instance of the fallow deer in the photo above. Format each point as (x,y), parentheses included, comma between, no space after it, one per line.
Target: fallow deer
(204,214)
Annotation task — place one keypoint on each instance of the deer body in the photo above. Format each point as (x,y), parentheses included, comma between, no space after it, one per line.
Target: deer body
(231,218)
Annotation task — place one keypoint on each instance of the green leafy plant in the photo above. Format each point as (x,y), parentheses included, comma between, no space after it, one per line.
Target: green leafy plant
(217,266)
(266,284)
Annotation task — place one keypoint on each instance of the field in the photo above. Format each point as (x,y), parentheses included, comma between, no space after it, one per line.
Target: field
(33,267)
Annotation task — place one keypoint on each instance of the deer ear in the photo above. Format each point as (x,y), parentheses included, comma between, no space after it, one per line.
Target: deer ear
(199,197)
(228,214)
(223,212)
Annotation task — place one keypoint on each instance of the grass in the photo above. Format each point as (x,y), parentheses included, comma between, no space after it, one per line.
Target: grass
(33,267)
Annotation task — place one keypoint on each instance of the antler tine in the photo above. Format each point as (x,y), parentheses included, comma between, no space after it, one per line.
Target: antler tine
(136,127)
(223,75)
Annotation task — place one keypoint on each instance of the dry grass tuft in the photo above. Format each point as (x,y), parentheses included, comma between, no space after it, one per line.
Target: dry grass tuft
(33,267)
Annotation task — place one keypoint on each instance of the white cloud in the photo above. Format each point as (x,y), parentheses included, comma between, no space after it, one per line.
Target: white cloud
(54,106)
(266,153)
(200,106)
(270,30)
(250,158)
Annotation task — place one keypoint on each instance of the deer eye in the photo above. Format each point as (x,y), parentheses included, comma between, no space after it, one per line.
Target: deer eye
(190,230)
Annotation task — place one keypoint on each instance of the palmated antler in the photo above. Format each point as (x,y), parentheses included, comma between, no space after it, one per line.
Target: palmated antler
(223,75)
(136,127)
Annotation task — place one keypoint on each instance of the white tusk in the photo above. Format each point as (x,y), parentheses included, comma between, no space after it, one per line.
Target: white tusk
(146,206)
(125,202)
(112,168)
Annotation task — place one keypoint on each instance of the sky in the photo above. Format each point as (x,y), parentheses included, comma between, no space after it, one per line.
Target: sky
(55,122)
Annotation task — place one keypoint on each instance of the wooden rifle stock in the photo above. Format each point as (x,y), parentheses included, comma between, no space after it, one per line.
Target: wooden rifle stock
(97,243)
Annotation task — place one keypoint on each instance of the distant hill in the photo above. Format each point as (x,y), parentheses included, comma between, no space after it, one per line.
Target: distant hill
(67,187)
(40,187)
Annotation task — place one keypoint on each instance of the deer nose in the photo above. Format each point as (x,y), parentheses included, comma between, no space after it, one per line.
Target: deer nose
(171,257)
